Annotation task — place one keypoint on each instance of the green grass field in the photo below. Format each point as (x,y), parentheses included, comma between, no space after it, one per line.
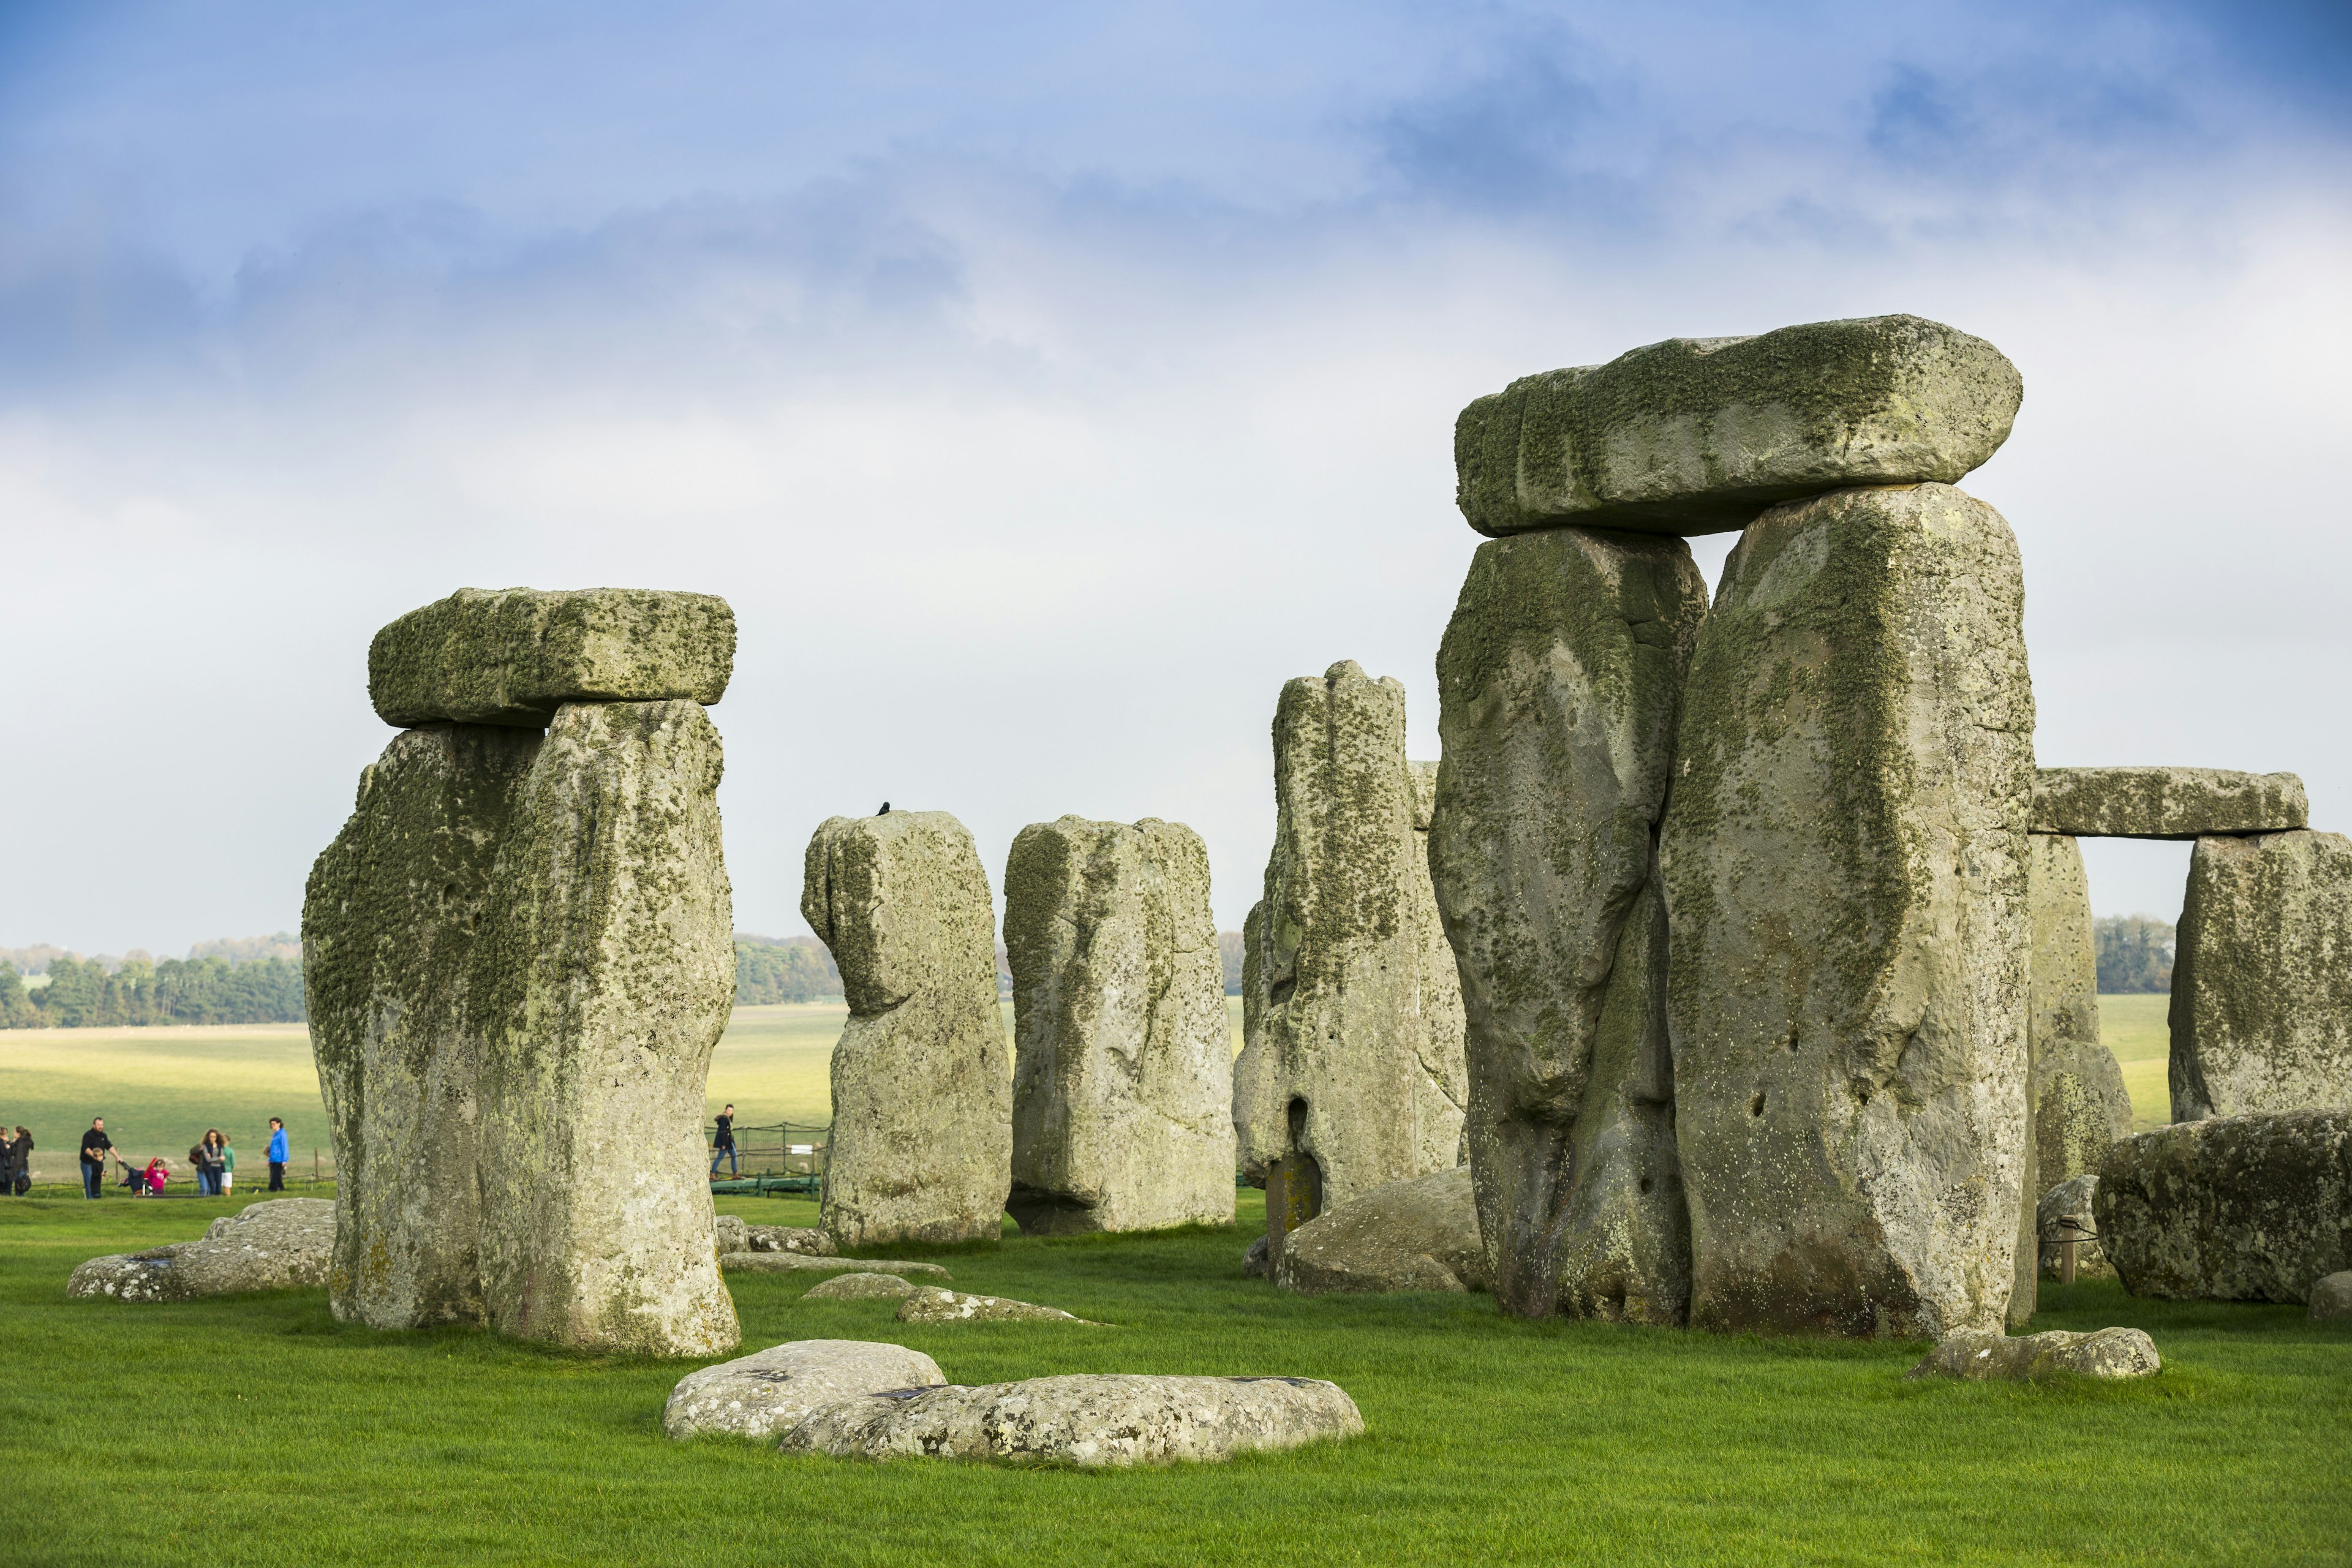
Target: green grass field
(2137,1030)
(258,1430)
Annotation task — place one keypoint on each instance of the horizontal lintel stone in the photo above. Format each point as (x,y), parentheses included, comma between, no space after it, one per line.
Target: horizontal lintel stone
(2166,803)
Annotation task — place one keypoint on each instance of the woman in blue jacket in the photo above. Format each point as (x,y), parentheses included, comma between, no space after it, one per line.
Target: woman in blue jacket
(277,1155)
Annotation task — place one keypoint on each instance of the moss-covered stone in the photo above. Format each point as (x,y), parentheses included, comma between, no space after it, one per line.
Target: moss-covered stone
(1347,1059)
(2165,802)
(1698,435)
(2262,979)
(389,924)
(1417,1234)
(2233,1208)
(602,980)
(921,1148)
(1123,1071)
(1560,679)
(513,655)
(1844,862)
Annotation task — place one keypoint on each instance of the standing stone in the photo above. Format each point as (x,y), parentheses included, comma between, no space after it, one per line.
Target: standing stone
(1845,876)
(1698,435)
(922,1089)
(389,923)
(1560,679)
(2261,982)
(2062,1015)
(603,974)
(2165,802)
(1342,1065)
(1123,1073)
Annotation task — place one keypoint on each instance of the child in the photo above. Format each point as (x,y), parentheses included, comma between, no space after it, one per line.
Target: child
(228,1157)
(155,1175)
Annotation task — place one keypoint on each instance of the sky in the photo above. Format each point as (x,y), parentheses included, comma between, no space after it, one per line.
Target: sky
(1044,385)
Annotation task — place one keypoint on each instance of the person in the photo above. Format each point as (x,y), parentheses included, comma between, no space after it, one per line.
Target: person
(227,1166)
(95,1147)
(149,1183)
(18,1166)
(277,1155)
(200,1159)
(722,1147)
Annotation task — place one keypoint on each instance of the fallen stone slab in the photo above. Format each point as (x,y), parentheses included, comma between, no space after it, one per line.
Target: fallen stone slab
(1419,1235)
(282,1244)
(514,656)
(2165,802)
(928,1306)
(1982,1358)
(2262,977)
(1700,435)
(2077,1197)
(805,1239)
(862,1288)
(800,1263)
(2233,1208)
(1090,1421)
(2331,1297)
(761,1395)
(730,1233)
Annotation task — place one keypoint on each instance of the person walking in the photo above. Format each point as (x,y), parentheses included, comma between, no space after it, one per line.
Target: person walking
(277,1155)
(227,1167)
(95,1147)
(722,1147)
(17,1168)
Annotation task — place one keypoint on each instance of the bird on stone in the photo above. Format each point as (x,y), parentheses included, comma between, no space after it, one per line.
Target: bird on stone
(884,811)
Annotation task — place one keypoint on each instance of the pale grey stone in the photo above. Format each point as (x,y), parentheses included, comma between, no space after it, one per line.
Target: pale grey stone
(2233,1208)
(1698,435)
(808,1240)
(800,1263)
(861,1287)
(2165,802)
(1416,1235)
(932,1306)
(1352,1052)
(921,1144)
(2105,1353)
(1559,680)
(2331,1297)
(390,921)
(1844,862)
(771,1391)
(2063,1009)
(732,1234)
(514,656)
(283,1244)
(2261,978)
(1123,1071)
(1090,1421)
(603,979)
(2076,1197)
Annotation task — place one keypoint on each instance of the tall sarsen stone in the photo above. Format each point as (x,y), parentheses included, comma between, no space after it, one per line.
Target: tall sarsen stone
(1845,875)
(1560,679)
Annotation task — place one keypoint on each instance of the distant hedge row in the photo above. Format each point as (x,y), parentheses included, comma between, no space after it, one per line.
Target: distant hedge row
(80,993)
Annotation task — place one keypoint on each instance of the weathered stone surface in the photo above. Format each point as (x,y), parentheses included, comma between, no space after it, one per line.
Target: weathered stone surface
(390,921)
(281,1244)
(1352,1054)
(807,1240)
(2077,1198)
(1844,862)
(2105,1353)
(922,1089)
(1698,435)
(514,656)
(2165,802)
(2261,978)
(2233,1208)
(1123,1073)
(2063,1019)
(1418,1235)
(800,1263)
(1091,1421)
(861,1287)
(2331,1297)
(771,1391)
(1255,1264)
(603,975)
(928,1306)
(1560,679)
(732,1234)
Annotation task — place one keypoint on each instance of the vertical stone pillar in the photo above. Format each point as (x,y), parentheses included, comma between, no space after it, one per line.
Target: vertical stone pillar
(1123,1074)
(2062,1010)
(604,976)
(921,1145)
(1340,991)
(1560,679)
(1845,875)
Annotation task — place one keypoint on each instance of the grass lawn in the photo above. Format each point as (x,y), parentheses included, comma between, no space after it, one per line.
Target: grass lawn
(258,1430)
(2136,1030)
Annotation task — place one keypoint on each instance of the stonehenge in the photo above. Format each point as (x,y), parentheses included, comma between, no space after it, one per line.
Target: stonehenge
(1351,1074)
(921,1147)
(1122,1078)
(2165,802)
(2230,1208)
(518,957)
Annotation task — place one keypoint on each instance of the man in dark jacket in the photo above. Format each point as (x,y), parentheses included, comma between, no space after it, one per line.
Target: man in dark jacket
(95,1146)
(722,1147)
(16,1164)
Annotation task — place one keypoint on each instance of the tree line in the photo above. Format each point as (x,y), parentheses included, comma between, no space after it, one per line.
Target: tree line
(83,993)
(2134,954)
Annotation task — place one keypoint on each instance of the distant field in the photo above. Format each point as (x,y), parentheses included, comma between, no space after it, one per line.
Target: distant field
(2135,1029)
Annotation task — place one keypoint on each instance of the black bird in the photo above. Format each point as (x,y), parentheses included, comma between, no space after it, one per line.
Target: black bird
(884,811)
